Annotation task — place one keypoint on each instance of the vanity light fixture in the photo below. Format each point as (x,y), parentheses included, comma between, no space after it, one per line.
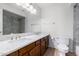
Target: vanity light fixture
(28,7)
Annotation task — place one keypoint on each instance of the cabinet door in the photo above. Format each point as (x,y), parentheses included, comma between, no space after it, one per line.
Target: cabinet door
(35,51)
(13,54)
(25,50)
(26,54)
(37,42)
(43,47)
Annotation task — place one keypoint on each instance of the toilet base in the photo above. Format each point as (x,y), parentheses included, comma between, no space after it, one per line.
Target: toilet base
(59,53)
(71,54)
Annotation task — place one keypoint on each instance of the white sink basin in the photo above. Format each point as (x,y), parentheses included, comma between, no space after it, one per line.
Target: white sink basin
(11,44)
(20,41)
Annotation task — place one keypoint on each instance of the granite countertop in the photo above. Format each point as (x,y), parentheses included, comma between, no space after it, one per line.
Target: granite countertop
(9,46)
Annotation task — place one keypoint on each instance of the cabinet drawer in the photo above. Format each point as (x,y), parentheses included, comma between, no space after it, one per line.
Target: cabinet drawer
(38,42)
(26,49)
(13,54)
(35,51)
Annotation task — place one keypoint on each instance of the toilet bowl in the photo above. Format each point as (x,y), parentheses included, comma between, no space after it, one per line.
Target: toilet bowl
(61,46)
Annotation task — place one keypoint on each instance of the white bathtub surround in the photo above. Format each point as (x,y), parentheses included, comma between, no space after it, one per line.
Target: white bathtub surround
(9,46)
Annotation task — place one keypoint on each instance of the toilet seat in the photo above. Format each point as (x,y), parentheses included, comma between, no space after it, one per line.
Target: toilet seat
(62,47)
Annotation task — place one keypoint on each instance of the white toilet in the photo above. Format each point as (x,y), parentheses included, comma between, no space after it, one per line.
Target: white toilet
(61,44)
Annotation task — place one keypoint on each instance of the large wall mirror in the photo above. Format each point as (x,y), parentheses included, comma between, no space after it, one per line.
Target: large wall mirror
(13,23)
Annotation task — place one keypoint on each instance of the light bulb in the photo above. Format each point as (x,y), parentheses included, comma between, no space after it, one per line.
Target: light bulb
(28,7)
(33,11)
(24,6)
(31,7)
(27,4)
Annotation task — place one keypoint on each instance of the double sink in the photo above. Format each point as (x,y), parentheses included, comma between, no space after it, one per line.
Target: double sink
(8,46)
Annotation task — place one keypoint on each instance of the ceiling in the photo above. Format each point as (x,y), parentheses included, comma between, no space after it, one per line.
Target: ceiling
(47,5)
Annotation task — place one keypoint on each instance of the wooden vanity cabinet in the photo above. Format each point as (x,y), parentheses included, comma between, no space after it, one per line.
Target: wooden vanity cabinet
(26,54)
(25,50)
(13,54)
(38,42)
(43,46)
(47,41)
(34,49)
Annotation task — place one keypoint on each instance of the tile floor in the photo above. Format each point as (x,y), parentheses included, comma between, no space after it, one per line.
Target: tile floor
(54,52)
(50,52)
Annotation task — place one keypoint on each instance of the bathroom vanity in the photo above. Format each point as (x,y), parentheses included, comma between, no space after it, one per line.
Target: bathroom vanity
(32,47)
